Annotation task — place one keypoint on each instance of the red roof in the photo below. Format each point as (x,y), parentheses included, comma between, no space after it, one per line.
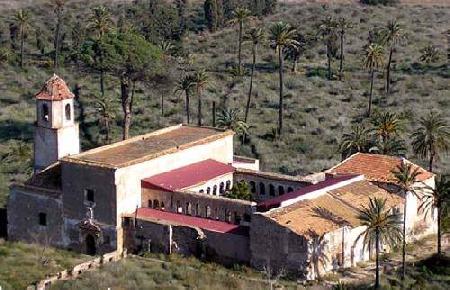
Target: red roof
(276,202)
(375,167)
(187,176)
(186,220)
(55,89)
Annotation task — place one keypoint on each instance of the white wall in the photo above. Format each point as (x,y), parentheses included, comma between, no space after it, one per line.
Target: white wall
(210,183)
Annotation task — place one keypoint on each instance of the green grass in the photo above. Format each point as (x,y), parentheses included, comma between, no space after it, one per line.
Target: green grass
(22,264)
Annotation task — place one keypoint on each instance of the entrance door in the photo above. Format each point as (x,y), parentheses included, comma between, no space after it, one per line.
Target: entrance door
(91,248)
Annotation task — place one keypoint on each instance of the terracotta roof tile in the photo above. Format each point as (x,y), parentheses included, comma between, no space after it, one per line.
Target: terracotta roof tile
(374,167)
(55,89)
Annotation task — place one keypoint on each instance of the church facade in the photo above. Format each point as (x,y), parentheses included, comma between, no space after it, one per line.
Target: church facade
(166,191)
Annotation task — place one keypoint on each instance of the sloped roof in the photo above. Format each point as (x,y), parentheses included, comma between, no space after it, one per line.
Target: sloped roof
(49,178)
(335,209)
(187,176)
(375,167)
(186,220)
(55,89)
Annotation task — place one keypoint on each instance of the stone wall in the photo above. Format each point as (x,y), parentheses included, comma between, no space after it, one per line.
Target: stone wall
(200,204)
(27,208)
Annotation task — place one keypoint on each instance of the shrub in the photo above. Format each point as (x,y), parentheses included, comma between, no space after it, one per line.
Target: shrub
(379,2)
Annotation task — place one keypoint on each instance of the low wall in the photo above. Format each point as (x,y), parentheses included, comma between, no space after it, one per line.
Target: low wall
(77,270)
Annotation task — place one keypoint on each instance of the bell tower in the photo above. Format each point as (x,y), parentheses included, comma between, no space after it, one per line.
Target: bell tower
(56,133)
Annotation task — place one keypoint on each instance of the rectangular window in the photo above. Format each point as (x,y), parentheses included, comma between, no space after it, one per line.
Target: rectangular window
(42,219)
(89,195)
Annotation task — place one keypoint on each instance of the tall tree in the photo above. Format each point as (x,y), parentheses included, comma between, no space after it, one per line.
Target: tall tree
(388,127)
(437,197)
(130,58)
(328,33)
(342,25)
(58,6)
(357,140)
(240,15)
(201,79)
(382,227)
(100,23)
(22,19)
(393,36)
(294,52)
(230,119)
(255,36)
(406,177)
(373,59)
(281,35)
(185,86)
(431,138)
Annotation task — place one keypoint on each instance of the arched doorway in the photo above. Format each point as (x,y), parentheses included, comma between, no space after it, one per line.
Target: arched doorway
(91,248)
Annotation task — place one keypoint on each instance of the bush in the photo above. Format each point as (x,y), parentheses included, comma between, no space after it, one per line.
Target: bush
(379,2)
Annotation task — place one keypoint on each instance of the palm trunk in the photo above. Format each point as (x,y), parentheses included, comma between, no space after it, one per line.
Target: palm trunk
(295,64)
(404,241)
(439,234)
(377,262)
(329,61)
(108,129)
(341,63)
(388,72)
(241,24)
(280,105)
(162,104)
(22,42)
(199,94)
(188,114)
(247,107)
(430,165)
(126,107)
(372,76)
(102,74)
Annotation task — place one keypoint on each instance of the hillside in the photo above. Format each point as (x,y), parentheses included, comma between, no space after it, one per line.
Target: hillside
(317,111)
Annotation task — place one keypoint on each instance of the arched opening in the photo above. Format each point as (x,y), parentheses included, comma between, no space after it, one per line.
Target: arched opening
(252,186)
(68,112)
(215,190)
(45,113)
(150,203)
(280,190)
(222,188)
(162,205)
(188,208)
(207,211)
(91,248)
(208,190)
(271,190)
(262,188)
(290,189)
(156,204)
(228,185)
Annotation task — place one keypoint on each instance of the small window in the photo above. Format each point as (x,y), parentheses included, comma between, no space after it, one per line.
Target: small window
(45,113)
(89,194)
(42,219)
(126,221)
(228,185)
(208,190)
(222,188)
(271,190)
(201,191)
(68,112)
(215,190)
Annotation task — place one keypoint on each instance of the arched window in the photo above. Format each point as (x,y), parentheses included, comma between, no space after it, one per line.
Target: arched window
(262,188)
(252,186)
(188,208)
(45,113)
(208,190)
(150,203)
(228,185)
(156,204)
(290,189)
(162,205)
(271,190)
(215,190)
(222,188)
(280,190)
(68,112)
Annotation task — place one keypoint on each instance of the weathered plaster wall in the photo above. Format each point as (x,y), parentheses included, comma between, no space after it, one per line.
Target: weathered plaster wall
(24,206)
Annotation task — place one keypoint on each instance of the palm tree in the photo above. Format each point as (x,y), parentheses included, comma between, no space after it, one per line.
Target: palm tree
(342,25)
(281,36)
(393,35)
(106,112)
(255,36)
(200,81)
(58,10)
(437,198)
(229,119)
(328,33)
(293,52)
(387,125)
(393,146)
(100,23)
(240,15)
(185,86)
(373,59)
(431,137)
(167,48)
(358,140)
(23,22)
(406,176)
(430,53)
(382,227)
